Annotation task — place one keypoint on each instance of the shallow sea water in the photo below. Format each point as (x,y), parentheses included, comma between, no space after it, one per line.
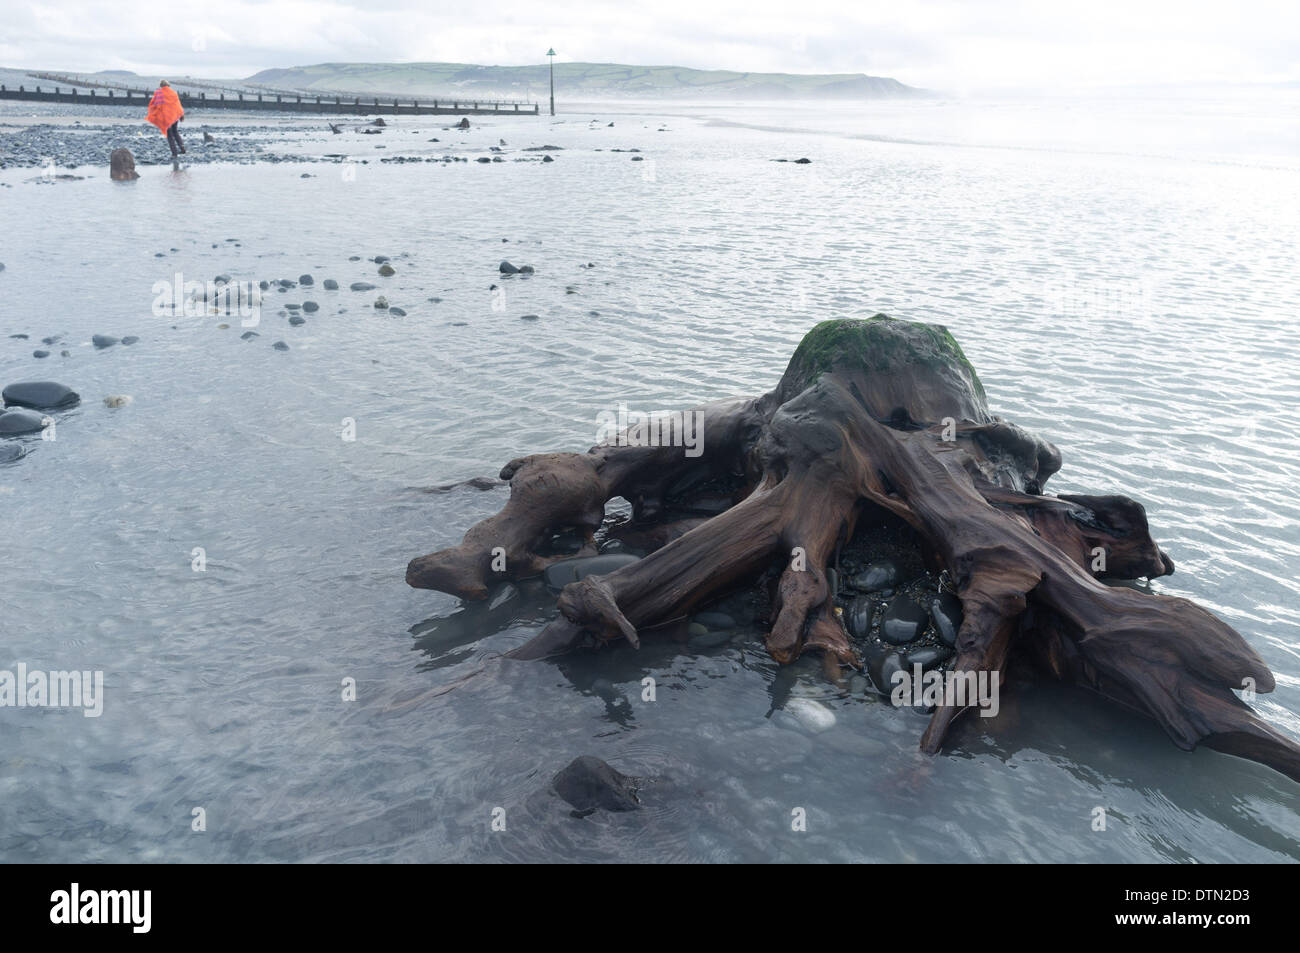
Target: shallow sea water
(1136,306)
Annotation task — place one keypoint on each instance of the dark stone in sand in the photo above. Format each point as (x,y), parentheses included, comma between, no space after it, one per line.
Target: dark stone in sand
(306,280)
(560,574)
(264,285)
(361,286)
(310,306)
(482,159)
(293,307)
(877,576)
(40,395)
(804,161)
(945,610)
(858,616)
(39,353)
(248,335)
(387,271)
(21,421)
(638,158)
(122,166)
(397,312)
(129,339)
(11,452)
(103,340)
(463,124)
(589,784)
(903,622)
(929,656)
(548,159)
(529,317)
(297,319)
(280,346)
(331,285)
(507,269)
(20,337)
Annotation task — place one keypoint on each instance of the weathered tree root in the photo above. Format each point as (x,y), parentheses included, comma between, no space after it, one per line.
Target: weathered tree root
(879,415)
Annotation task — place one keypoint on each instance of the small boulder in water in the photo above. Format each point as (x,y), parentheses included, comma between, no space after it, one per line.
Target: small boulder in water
(362,286)
(507,269)
(103,340)
(306,280)
(812,715)
(387,270)
(122,166)
(11,452)
(559,574)
(717,621)
(331,285)
(40,395)
(21,421)
(117,400)
(588,784)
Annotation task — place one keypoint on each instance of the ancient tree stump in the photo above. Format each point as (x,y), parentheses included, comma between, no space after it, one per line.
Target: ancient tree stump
(875,419)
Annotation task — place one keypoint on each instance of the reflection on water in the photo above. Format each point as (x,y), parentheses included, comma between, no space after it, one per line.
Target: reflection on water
(1138,311)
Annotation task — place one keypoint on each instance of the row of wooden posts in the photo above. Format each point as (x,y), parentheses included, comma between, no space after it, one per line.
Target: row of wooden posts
(336,105)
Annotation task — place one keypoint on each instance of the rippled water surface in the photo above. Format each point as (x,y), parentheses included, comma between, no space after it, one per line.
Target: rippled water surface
(1134,301)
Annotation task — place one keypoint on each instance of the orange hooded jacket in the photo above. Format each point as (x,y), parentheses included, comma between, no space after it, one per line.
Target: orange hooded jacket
(165,108)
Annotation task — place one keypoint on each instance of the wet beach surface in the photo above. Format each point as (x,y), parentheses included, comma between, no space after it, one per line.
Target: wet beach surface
(1136,310)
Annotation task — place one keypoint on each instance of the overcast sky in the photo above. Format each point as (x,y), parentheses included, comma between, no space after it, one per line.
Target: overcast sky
(960,46)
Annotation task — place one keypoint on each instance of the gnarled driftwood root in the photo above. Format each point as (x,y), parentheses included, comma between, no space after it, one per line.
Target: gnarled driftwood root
(879,416)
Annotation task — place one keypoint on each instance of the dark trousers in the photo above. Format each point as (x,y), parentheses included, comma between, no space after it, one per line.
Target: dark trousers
(174,138)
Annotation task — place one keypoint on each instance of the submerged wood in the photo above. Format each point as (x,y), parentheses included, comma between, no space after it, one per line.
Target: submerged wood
(875,417)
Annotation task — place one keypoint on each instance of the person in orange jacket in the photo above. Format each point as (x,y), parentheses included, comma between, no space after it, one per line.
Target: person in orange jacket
(165,112)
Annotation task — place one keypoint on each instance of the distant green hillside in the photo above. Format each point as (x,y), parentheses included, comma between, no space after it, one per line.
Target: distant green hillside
(576,80)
